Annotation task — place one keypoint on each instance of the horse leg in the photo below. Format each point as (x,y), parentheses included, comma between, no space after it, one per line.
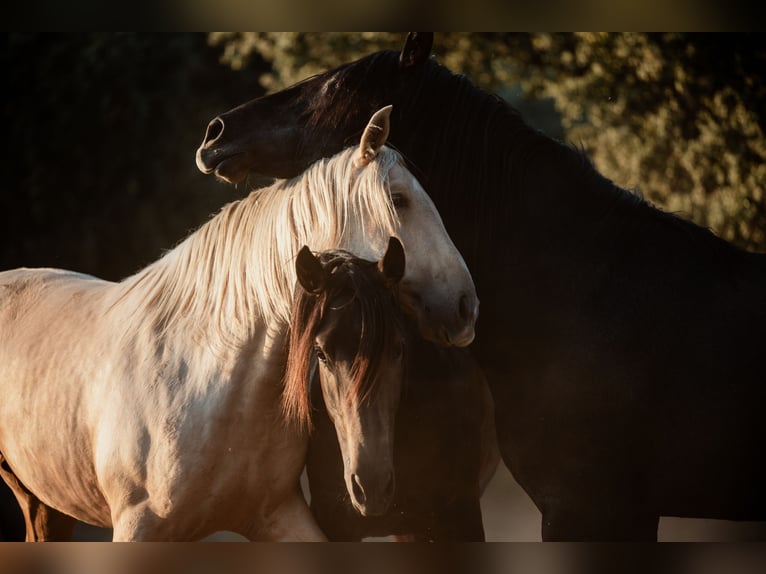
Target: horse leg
(42,522)
(137,522)
(12,524)
(291,521)
(49,524)
(467,523)
(459,522)
(566,525)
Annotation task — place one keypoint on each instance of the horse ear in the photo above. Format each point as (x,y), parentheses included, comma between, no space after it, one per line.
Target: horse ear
(392,264)
(311,275)
(417,49)
(375,135)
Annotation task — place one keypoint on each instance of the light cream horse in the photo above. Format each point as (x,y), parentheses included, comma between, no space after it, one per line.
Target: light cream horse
(153,405)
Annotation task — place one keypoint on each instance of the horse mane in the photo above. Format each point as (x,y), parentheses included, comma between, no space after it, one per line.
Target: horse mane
(475,139)
(380,316)
(509,150)
(629,208)
(238,267)
(478,141)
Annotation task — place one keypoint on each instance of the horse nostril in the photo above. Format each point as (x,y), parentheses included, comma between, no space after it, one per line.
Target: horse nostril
(358,490)
(214,130)
(464,309)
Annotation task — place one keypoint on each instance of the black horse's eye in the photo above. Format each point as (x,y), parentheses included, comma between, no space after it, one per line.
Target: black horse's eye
(398,200)
(320,354)
(398,350)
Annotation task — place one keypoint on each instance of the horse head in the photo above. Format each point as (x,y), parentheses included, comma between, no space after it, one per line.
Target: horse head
(347,331)
(269,135)
(437,288)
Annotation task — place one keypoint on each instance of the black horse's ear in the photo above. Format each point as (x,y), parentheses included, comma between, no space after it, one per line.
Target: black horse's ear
(311,274)
(417,49)
(392,264)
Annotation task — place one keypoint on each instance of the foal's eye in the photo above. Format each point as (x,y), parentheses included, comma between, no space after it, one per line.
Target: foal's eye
(320,354)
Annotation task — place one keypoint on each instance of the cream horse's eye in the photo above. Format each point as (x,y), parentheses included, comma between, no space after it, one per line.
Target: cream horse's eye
(399,200)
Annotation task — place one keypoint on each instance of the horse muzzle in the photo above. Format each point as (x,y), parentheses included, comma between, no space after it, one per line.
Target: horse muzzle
(449,326)
(463,331)
(373,495)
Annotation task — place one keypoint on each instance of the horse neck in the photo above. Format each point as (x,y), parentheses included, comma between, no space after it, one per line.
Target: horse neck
(471,156)
(512,179)
(518,200)
(208,286)
(236,273)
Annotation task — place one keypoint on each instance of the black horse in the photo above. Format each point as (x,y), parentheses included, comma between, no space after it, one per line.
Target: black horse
(624,346)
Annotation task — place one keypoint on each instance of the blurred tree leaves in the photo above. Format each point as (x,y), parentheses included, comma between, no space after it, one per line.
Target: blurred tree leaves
(681,118)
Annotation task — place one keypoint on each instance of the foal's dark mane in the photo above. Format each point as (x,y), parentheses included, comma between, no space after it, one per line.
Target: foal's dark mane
(351,279)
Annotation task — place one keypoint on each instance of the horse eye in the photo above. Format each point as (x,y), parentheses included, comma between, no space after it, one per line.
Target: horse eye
(398,200)
(398,350)
(320,354)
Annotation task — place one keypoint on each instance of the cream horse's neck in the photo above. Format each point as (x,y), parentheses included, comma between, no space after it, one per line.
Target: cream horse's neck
(205,288)
(236,275)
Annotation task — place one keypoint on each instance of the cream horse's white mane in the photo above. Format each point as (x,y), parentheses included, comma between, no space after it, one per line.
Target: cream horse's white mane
(239,266)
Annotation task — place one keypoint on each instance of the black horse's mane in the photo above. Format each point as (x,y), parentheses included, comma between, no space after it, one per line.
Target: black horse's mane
(509,152)
(463,142)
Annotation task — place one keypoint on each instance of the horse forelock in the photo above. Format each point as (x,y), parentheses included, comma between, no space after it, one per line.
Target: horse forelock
(238,267)
(356,281)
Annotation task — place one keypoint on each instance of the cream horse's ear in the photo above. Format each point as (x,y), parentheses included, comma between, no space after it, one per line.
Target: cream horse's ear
(374,136)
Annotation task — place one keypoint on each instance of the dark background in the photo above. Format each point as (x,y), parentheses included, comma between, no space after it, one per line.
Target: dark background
(100,136)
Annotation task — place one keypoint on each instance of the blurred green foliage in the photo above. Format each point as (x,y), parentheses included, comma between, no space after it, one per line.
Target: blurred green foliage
(681,118)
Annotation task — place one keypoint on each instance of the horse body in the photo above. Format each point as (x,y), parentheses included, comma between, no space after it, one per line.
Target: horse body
(153,405)
(637,379)
(39,303)
(622,344)
(193,427)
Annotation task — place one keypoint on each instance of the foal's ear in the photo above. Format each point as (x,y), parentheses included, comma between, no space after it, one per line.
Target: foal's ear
(311,275)
(375,135)
(417,48)
(392,264)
